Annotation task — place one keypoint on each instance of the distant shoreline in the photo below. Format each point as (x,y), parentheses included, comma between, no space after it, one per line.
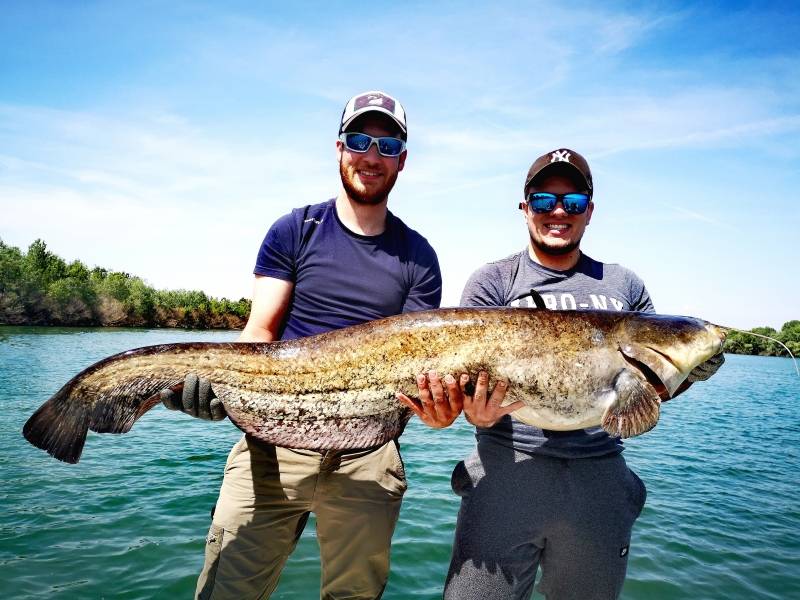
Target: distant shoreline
(39,288)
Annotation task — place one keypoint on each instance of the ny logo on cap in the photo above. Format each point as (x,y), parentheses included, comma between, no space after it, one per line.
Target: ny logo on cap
(374,100)
(560,156)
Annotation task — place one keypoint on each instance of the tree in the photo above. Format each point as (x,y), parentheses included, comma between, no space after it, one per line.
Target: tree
(39,287)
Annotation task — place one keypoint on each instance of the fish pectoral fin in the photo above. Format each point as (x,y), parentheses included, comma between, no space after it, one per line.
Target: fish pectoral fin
(636,408)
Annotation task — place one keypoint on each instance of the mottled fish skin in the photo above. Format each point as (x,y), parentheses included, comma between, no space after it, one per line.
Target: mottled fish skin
(572,369)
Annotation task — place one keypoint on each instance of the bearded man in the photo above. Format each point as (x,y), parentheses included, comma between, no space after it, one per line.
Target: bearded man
(322,267)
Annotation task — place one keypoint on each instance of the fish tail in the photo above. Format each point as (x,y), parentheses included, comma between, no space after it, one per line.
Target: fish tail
(59,428)
(60,425)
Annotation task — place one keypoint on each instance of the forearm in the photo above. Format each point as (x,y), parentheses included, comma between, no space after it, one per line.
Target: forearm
(256,333)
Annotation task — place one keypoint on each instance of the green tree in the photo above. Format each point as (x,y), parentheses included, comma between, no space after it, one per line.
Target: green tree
(39,287)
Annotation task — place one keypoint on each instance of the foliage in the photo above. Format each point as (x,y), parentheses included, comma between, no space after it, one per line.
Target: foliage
(38,287)
(741,343)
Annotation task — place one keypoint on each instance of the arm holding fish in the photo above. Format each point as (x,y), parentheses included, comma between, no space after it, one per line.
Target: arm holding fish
(195,396)
(271,298)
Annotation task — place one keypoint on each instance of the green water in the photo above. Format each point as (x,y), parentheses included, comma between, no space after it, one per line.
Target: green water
(721,521)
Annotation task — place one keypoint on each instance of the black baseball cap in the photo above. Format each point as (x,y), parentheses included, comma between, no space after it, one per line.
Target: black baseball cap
(564,161)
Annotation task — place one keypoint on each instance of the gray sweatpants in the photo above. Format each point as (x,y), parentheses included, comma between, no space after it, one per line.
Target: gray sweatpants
(571,516)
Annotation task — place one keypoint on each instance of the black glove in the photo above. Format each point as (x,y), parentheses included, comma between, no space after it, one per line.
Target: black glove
(705,370)
(197,399)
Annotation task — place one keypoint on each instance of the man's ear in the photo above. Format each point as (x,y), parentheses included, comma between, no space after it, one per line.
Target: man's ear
(401,160)
(589,212)
(339,150)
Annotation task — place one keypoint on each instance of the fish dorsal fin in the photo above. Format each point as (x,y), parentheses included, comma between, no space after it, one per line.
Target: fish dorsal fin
(636,408)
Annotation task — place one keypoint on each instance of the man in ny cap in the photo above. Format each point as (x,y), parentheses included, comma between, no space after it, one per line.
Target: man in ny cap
(322,267)
(564,501)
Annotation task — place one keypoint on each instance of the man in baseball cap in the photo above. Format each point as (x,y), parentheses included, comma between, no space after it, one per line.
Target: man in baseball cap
(569,501)
(321,267)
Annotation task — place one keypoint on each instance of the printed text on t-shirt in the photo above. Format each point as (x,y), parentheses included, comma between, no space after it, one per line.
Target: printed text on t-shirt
(568,302)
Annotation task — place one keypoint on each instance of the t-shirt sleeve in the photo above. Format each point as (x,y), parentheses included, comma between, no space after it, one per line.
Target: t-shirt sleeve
(484,288)
(276,257)
(426,281)
(640,298)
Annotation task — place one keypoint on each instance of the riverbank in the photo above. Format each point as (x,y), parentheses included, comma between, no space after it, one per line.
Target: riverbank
(38,287)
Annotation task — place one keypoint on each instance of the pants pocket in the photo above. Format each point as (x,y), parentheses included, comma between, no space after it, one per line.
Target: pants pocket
(395,468)
(205,584)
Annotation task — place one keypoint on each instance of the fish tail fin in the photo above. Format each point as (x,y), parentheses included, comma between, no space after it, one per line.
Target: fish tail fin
(636,408)
(59,428)
(60,425)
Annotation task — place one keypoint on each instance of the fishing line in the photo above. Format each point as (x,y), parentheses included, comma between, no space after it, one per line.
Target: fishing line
(766,337)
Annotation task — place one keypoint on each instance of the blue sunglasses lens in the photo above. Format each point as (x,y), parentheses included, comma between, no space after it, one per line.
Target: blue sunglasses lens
(543,202)
(357,142)
(389,146)
(360,142)
(575,204)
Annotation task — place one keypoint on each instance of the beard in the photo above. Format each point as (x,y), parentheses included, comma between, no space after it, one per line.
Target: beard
(366,198)
(544,247)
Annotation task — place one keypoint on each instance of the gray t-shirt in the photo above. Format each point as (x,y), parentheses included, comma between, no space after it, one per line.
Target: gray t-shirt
(589,285)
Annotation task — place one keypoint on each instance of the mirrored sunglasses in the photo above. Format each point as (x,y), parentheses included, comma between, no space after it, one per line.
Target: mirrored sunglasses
(574,203)
(361,142)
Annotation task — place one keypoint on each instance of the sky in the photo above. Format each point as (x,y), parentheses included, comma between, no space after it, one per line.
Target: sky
(164,138)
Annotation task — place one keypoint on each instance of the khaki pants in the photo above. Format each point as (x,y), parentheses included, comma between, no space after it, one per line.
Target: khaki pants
(267,494)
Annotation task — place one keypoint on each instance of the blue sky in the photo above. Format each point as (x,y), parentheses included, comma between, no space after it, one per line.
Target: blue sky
(163,138)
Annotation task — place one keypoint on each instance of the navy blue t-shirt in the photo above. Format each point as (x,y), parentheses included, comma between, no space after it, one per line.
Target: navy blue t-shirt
(342,278)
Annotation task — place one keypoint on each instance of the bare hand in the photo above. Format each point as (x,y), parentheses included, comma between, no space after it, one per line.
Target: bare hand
(482,409)
(439,402)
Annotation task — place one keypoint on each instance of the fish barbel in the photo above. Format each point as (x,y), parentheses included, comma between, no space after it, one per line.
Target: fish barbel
(336,390)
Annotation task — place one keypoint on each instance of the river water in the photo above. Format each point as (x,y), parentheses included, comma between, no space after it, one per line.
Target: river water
(722,467)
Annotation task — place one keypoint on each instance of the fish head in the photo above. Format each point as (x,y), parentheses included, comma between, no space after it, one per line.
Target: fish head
(666,348)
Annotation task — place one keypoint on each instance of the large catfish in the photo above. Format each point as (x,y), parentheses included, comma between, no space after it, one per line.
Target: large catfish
(571,369)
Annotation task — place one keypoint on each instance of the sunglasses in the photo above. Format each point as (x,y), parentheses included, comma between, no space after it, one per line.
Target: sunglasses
(361,142)
(574,203)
